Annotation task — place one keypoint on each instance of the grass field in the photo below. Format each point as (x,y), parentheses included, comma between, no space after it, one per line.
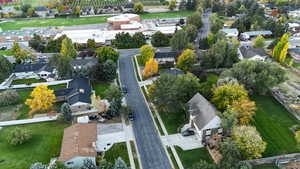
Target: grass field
(44,145)
(27,81)
(190,157)
(6,52)
(173,121)
(100,88)
(117,150)
(22,23)
(273,122)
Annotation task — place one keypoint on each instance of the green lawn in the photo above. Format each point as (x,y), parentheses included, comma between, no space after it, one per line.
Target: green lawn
(273,122)
(27,81)
(100,88)
(265,167)
(173,121)
(117,150)
(190,157)
(44,145)
(6,52)
(22,23)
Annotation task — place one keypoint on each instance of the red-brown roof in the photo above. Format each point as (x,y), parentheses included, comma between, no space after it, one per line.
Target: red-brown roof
(79,140)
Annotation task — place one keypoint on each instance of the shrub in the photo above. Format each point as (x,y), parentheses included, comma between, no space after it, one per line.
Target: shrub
(9,97)
(18,136)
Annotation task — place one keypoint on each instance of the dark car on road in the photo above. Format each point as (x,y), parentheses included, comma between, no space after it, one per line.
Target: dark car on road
(124,89)
(131,116)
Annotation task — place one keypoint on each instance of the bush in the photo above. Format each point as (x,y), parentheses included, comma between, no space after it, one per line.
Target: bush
(18,136)
(159,39)
(9,97)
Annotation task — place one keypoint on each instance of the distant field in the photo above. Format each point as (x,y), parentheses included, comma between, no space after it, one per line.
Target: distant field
(23,23)
(34,3)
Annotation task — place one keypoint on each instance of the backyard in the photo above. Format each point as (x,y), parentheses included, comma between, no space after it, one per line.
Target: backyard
(27,81)
(20,110)
(117,150)
(173,121)
(100,88)
(273,122)
(190,157)
(6,52)
(22,23)
(44,145)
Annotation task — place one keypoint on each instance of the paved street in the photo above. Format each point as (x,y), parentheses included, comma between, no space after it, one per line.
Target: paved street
(152,153)
(204,31)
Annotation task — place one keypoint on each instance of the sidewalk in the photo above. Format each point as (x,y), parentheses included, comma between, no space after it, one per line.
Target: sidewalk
(28,121)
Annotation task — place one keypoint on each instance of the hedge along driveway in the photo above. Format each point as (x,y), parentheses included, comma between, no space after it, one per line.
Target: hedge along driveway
(44,22)
(273,121)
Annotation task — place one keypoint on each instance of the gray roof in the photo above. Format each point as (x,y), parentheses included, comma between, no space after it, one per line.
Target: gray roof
(202,110)
(256,33)
(86,62)
(249,52)
(37,67)
(80,90)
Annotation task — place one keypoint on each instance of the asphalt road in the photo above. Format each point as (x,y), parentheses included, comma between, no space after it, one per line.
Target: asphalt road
(150,148)
(204,31)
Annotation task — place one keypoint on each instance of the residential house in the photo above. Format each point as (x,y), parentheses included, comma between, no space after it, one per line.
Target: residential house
(166,57)
(230,32)
(203,115)
(174,71)
(79,144)
(42,11)
(84,63)
(252,34)
(248,52)
(77,95)
(295,54)
(36,70)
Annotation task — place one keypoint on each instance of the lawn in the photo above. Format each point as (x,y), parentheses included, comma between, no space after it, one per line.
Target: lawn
(22,23)
(6,52)
(190,157)
(273,122)
(173,121)
(22,112)
(100,88)
(44,145)
(27,81)
(117,150)
(265,167)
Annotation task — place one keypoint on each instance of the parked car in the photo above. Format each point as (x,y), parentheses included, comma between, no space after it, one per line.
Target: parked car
(3,48)
(187,132)
(106,116)
(124,89)
(131,116)
(93,117)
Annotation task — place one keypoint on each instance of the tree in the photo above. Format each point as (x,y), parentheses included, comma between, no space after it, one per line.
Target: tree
(245,109)
(186,60)
(30,12)
(66,112)
(77,10)
(225,96)
(138,40)
(91,43)
(195,19)
(62,65)
(248,141)
(151,68)
(297,136)
(18,136)
(120,164)
(125,41)
(192,32)
(5,68)
(230,155)
(42,98)
(159,39)
(107,53)
(9,97)
(88,164)
(105,164)
(109,70)
(179,40)
(220,55)
(67,48)
(256,76)
(172,5)
(204,165)
(138,7)
(147,53)
(280,50)
(113,93)
(170,93)
(259,42)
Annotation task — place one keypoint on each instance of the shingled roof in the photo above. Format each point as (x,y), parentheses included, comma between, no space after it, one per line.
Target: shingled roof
(202,110)
(79,140)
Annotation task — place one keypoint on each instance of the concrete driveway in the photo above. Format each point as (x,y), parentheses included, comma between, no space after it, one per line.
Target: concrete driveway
(185,143)
(110,134)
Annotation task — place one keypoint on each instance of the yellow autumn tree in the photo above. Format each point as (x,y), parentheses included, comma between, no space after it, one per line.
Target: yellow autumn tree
(42,99)
(245,109)
(151,68)
(283,54)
